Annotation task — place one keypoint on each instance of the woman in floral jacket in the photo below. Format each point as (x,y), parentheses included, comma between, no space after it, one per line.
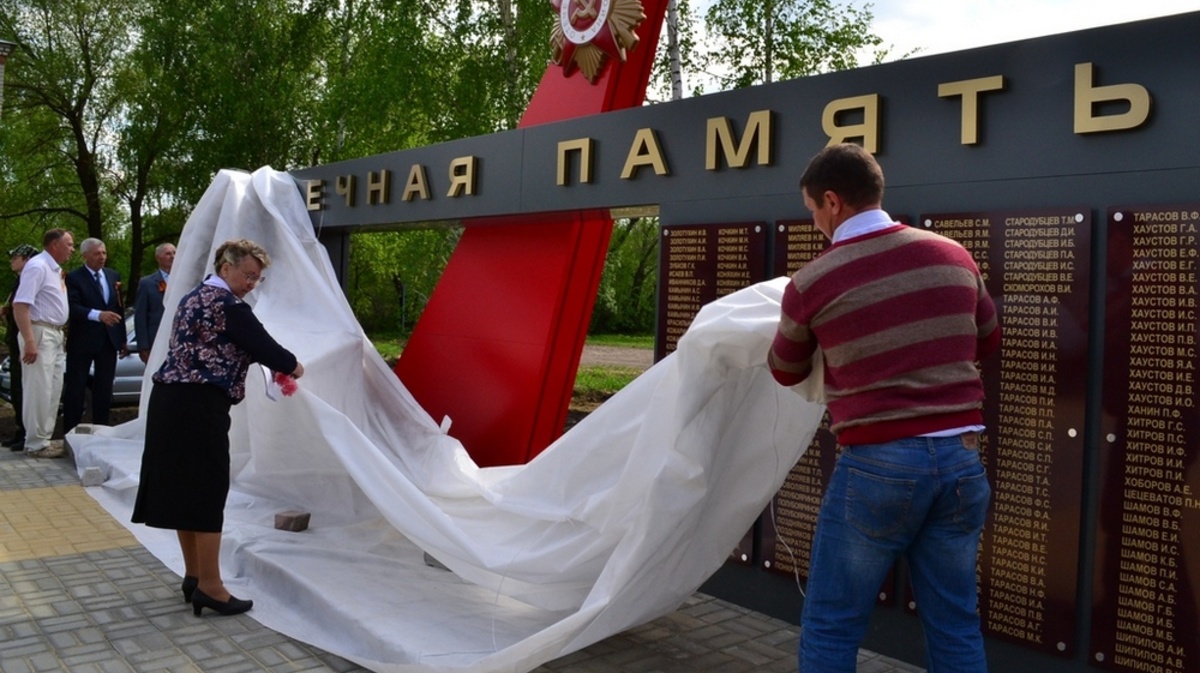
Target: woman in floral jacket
(185,464)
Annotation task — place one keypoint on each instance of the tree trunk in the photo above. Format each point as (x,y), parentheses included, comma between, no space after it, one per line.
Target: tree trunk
(768,41)
(673,50)
(89,181)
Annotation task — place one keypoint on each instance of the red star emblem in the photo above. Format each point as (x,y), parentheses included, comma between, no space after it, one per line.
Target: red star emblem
(590,31)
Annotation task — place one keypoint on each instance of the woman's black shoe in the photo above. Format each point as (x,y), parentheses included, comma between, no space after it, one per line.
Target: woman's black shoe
(233,606)
(188,587)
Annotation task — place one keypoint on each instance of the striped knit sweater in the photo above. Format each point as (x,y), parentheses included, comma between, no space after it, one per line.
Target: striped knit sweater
(901,316)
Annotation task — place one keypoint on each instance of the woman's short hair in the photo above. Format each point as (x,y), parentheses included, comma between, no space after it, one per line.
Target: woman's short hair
(236,250)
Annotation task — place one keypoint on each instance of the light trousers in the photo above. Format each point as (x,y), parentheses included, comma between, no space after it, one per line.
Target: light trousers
(42,384)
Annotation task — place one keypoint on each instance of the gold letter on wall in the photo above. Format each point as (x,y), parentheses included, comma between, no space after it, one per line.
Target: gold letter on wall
(316,191)
(1087,96)
(758,130)
(417,184)
(644,152)
(868,130)
(462,176)
(582,146)
(379,187)
(345,188)
(970,89)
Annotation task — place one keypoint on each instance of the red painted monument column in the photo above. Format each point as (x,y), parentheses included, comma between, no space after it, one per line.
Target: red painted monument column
(497,347)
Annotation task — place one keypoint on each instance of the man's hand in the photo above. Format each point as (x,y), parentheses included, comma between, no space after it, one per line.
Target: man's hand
(25,327)
(144,355)
(110,318)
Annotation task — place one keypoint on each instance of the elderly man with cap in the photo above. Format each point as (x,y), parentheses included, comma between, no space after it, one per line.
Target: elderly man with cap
(41,311)
(17,256)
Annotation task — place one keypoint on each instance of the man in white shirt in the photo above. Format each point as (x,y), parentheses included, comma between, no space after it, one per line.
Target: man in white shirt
(41,312)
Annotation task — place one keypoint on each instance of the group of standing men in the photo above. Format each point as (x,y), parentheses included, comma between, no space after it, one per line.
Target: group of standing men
(66,331)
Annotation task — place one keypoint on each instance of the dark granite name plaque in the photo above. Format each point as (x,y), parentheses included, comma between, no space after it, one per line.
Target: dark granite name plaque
(791,518)
(700,263)
(1035,265)
(1147,586)
(797,242)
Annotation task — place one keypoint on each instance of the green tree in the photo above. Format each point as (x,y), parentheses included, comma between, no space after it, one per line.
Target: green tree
(374,92)
(509,39)
(156,121)
(625,303)
(392,274)
(397,75)
(400,75)
(61,85)
(249,71)
(760,42)
(677,56)
(37,188)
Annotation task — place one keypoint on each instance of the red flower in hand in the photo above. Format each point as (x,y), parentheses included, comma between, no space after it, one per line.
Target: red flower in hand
(286,384)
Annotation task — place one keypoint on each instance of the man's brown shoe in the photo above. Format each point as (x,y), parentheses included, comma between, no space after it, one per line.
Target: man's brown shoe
(53,450)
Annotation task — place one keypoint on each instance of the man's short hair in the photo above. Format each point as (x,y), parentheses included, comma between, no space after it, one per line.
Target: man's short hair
(158,249)
(847,170)
(52,235)
(90,244)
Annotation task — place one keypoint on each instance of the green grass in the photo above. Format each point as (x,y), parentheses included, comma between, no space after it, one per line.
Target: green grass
(595,383)
(627,340)
(390,344)
(599,383)
(603,380)
(389,349)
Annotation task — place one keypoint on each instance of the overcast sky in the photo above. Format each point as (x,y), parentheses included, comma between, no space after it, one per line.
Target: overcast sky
(938,26)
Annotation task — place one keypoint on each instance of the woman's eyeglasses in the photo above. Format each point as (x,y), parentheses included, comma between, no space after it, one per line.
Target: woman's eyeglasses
(253,280)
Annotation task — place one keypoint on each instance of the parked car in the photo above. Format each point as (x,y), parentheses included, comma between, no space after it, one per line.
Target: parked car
(6,378)
(127,384)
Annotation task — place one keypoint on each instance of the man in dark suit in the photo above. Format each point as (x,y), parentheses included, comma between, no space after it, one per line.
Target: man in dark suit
(95,334)
(148,306)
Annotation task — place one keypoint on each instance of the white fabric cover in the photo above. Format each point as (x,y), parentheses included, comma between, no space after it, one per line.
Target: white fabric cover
(613,525)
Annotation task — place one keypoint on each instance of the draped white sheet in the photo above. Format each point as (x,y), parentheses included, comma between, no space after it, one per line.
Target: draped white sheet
(613,525)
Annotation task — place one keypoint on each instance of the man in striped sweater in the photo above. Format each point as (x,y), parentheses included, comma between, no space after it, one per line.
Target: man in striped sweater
(901,316)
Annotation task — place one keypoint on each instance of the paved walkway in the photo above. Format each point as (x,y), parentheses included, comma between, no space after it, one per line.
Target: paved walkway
(79,594)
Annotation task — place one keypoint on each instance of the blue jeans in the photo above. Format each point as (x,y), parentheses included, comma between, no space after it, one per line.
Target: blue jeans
(926,497)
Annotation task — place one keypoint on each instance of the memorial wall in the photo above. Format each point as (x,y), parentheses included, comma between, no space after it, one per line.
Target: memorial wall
(700,264)
(1023,152)
(1146,588)
(1037,265)
(788,524)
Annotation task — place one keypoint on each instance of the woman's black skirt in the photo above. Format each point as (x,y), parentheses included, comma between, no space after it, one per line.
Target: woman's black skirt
(185,462)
